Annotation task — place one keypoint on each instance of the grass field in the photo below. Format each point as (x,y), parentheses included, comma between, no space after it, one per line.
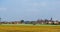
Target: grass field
(29,28)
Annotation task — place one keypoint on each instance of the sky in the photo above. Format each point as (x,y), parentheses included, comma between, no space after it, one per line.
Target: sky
(15,10)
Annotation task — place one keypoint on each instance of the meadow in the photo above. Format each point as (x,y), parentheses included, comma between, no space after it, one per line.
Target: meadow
(29,28)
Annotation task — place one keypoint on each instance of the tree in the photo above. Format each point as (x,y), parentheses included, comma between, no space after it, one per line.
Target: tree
(22,21)
(33,22)
(0,19)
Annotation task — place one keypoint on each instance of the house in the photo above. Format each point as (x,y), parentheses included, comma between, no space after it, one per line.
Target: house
(56,22)
(41,22)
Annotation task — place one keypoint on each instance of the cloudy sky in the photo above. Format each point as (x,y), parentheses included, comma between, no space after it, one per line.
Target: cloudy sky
(11,10)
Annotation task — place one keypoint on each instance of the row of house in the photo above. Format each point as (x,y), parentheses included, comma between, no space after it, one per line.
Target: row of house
(33,22)
(48,21)
(12,22)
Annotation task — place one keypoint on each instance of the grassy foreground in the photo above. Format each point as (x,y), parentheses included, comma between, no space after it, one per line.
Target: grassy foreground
(29,28)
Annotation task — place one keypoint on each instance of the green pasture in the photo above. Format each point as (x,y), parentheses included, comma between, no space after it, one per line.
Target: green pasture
(27,25)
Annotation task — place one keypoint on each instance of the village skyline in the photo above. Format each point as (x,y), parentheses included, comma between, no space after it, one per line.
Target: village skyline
(39,21)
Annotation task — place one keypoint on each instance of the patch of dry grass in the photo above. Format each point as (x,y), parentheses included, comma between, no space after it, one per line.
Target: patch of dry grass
(29,28)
